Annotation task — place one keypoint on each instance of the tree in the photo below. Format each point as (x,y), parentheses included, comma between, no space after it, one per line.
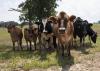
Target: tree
(99,22)
(36,9)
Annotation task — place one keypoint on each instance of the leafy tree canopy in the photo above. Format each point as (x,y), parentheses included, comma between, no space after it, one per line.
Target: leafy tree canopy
(37,9)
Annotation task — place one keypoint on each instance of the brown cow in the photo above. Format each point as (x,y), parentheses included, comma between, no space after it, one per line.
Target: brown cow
(66,39)
(16,35)
(30,36)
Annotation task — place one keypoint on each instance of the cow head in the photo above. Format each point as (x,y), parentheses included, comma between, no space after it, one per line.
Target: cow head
(90,24)
(53,19)
(10,28)
(72,17)
(94,37)
(62,14)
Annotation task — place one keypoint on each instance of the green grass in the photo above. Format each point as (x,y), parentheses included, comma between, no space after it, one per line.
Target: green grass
(27,60)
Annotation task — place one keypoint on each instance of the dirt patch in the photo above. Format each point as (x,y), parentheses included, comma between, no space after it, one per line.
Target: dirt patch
(87,63)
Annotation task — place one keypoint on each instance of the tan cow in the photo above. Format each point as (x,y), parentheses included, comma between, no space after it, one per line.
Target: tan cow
(65,40)
(30,36)
(16,35)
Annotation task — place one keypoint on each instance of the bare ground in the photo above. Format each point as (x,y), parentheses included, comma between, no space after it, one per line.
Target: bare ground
(89,62)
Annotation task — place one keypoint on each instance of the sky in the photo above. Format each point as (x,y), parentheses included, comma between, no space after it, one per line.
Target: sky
(86,9)
(6,15)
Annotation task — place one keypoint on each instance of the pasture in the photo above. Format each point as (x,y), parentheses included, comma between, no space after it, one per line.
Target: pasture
(27,60)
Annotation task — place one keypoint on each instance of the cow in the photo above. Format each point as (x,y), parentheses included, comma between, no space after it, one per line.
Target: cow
(47,32)
(46,35)
(65,39)
(82,28)
(16,35)
(30,35)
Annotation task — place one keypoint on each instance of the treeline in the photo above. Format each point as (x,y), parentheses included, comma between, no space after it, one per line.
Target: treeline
(5,24)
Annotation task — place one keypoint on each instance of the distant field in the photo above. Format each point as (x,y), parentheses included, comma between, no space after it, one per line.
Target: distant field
(26,60)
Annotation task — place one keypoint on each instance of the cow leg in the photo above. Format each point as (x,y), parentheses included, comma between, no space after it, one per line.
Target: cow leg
(80,41)
(83,41)
(54,42)
(69,54)
(27,44)
(18,45)
(39,38)
(62,50)
(49,43)
(35,45)
(74,41)
(21,45)
(14,46)
(68,50)
(30,45)
(90,39)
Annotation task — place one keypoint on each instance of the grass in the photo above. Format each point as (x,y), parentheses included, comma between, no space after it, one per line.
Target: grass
(27,60)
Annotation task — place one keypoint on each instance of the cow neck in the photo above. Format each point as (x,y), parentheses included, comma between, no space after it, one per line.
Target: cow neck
(70,28)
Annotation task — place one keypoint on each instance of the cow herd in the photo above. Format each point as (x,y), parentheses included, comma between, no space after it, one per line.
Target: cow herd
(58,32)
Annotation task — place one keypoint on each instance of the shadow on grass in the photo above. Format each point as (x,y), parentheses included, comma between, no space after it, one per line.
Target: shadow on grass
(84,48)
(42,55)
(6,53)
(65,62)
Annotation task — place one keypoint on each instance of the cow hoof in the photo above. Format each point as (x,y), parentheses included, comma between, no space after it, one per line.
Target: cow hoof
(62,55)
(69,55)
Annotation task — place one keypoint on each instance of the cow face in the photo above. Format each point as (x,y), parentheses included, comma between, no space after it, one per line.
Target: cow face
(10,28)
(44,21)
(48,27)
(94,37)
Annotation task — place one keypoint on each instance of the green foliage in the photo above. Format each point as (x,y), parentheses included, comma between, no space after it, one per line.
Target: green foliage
(37,9)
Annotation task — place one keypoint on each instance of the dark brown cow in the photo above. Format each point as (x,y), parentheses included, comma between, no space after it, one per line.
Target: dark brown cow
(66,39)
(16,35)
(30,36)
